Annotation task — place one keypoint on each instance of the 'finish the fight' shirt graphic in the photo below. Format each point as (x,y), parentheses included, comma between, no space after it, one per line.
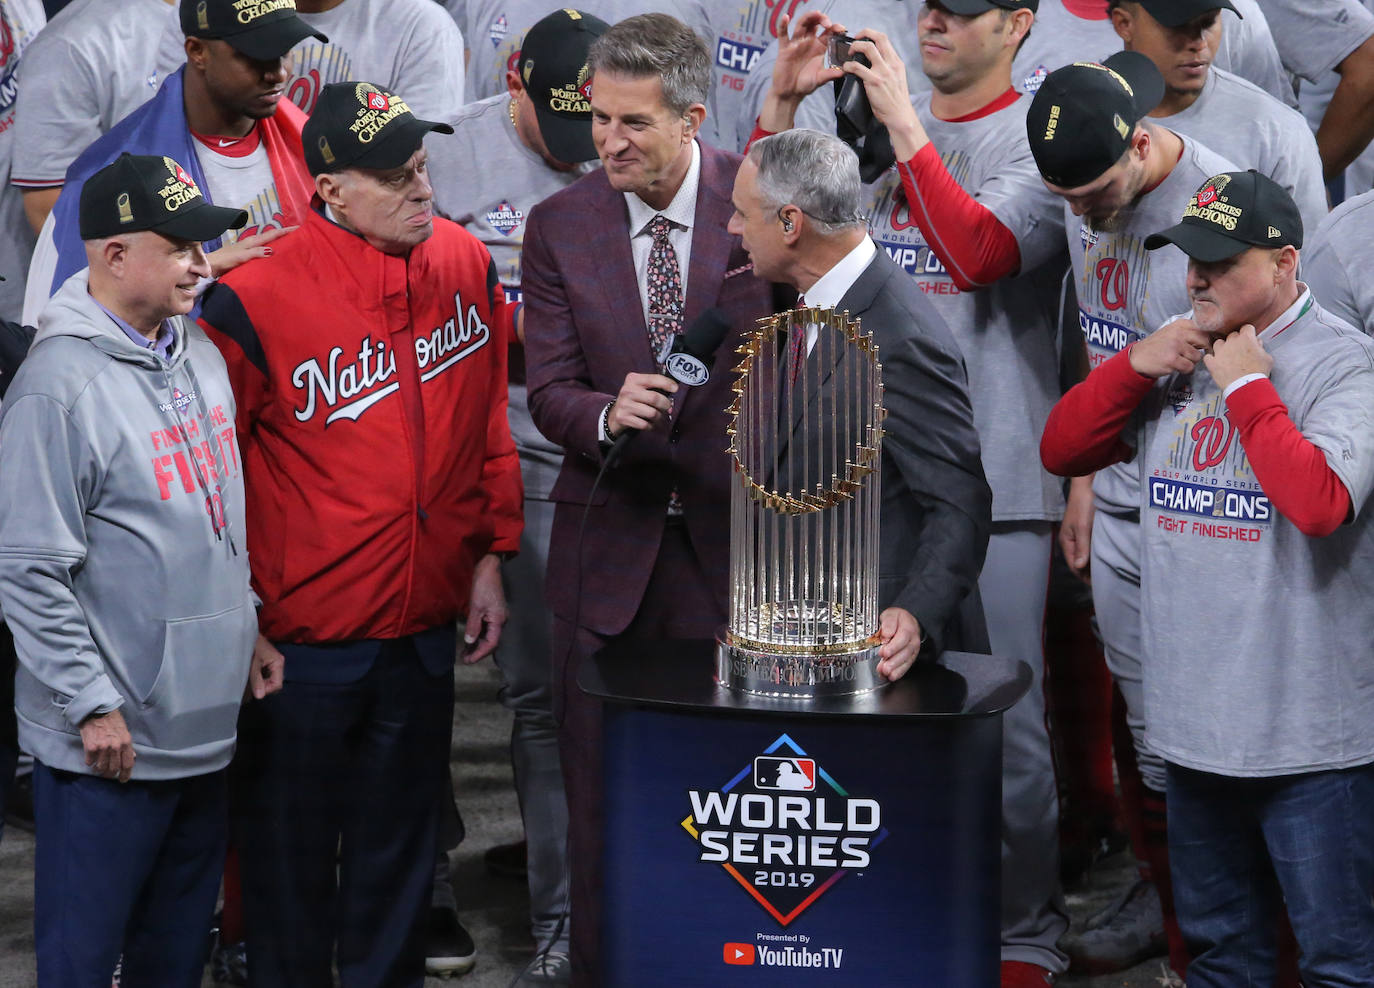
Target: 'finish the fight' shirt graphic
(1200,484)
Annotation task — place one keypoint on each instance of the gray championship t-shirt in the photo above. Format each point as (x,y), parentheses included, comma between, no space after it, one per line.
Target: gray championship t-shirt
(895,18)
(243,182)
(1314,36)
(1257,132)
(1008,332)
(90,68)
(737,34)
(20,22)
(1126,292)
(499,181)
(410,47)
(1258,636)
(1076,30)
(495,29)
(1336,262)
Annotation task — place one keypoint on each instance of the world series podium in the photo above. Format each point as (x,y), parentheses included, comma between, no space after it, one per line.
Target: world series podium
(830,840)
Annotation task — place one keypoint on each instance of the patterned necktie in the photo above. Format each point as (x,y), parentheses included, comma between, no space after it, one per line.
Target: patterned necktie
(665,287)
(798,342)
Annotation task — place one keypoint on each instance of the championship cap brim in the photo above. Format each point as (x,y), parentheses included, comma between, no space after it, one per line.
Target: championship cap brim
(1176,13)
(1198,242)
(972,8)
(204,222)
(570,141)
(397,143)
(268,40)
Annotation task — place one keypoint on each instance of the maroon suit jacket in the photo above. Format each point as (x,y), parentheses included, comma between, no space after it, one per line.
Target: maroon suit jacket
(584,331)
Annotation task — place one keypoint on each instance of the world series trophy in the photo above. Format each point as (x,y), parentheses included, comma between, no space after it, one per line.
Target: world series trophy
(806,440)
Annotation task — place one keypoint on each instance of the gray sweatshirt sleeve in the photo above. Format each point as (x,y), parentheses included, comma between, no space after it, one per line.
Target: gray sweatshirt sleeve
(49,478)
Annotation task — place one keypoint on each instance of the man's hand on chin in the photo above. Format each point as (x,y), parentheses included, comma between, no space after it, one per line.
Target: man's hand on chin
(900,634)
(1237,355)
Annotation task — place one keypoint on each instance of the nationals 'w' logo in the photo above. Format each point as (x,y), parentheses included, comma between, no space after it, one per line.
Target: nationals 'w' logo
(778,8)
(1212,436)
(1114,279)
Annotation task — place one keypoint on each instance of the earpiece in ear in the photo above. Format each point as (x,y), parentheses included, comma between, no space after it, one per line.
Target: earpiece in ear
(787,226)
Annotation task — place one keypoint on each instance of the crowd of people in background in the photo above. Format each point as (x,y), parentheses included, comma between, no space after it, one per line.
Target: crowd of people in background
(321,318)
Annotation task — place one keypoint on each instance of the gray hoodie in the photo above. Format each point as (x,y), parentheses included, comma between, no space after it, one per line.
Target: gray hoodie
(123,563)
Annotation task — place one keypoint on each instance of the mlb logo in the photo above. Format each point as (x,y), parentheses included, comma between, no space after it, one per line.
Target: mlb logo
(785,774)
(739,953)
(378,102)
(183,178)
(586,89)
(504,218)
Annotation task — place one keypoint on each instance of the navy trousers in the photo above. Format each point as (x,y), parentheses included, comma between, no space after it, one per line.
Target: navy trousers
(337,790)
(129,868)
(678,603)
(9,728)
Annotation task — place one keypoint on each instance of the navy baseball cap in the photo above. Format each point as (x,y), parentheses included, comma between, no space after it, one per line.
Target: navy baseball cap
(1082,117)
(1233,212)
(1176,13)
(359,125)
(261,29)
(972,8)
(150,192)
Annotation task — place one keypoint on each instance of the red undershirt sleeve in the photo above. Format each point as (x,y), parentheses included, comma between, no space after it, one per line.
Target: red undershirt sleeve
(757,134)
(1083,432)
(1292,471)
(974,245)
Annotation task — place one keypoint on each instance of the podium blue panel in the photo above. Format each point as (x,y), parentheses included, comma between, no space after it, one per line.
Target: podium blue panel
(803,844)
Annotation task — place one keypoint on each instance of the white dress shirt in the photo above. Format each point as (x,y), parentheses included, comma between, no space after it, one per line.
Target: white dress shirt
(835,283)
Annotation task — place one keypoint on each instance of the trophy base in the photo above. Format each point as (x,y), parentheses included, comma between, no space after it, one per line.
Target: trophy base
(799,676)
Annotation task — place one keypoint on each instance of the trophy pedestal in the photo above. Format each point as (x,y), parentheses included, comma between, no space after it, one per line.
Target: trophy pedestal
(801,675)
(776,842)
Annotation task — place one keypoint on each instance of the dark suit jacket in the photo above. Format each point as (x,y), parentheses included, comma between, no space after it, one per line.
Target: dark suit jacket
(584,331)
(936,507)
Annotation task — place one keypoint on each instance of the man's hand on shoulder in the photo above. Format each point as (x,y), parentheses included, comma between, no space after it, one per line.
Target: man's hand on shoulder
(109,746)
(1175,348)
(900,634)
(266,674)
(642,403)
(1238,355)
(487,611)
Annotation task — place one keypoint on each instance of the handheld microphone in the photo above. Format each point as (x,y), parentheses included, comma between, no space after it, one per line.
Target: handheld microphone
(685,359)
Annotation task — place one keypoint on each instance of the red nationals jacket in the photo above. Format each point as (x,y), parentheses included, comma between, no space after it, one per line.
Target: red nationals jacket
(372,417)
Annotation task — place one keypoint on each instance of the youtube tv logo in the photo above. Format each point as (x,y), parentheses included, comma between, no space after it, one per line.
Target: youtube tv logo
(739,953)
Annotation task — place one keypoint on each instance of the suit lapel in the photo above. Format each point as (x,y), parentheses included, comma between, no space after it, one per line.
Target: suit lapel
(711,244)
(857,301)
(613,262)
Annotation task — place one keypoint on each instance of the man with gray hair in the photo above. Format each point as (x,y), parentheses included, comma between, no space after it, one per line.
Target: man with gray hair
(649,227)
(796,210)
